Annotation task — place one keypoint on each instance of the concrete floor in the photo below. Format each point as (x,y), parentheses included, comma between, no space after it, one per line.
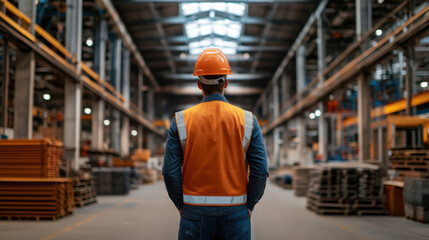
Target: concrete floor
(148,214)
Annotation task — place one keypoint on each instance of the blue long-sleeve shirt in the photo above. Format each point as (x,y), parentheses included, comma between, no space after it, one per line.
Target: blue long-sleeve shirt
(256,157)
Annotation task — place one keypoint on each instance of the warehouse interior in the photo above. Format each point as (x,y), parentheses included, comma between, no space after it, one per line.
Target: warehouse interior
(89,88)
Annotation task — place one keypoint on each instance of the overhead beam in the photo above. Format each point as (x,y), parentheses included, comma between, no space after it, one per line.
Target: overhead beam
(194,91)
(234,1)
(241,39)
(193,59)
(206,14)
(185,48)
(126,38)
(233,77)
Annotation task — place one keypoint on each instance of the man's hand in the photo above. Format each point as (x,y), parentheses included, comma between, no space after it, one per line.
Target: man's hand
(250,213)
(180,212)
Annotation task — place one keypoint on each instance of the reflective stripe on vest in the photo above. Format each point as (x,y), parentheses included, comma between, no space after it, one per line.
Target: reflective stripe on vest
(248,126)
(224,200)
(181,128)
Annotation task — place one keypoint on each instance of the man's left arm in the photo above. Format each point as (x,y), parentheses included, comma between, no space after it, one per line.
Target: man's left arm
(257,158)
(172,168)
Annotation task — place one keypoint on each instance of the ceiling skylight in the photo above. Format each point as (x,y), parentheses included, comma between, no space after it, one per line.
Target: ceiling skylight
(233,8)
(213,30)
(205,26)
(227,47)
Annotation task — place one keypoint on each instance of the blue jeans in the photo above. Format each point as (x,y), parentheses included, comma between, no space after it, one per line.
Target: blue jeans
(205,223)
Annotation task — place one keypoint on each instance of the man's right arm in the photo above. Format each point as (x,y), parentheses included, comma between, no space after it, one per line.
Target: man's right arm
(172,168)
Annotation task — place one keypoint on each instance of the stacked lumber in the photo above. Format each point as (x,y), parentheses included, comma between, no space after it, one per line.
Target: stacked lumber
(301,179)
(346,189)
(35,198)
(410,162)
(84,192)
(141,155)
(416,197)
(112,181)
(117,162)
(35,158)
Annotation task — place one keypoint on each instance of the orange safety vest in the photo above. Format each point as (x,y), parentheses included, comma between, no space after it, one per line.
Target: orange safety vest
(214,137)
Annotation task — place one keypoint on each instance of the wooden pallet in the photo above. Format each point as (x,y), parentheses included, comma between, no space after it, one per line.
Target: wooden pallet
(347,191)
(84,192)
(35,198)
(410,168)
(30,158)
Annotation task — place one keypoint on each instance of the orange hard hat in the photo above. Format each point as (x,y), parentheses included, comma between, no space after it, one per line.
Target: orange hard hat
(212,61)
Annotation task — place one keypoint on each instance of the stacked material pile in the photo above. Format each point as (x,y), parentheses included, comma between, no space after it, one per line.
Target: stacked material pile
(410,162)
(301,179)
(35,198)
(346,189)
(36,158)
(112,181)
(84,192)
(416,197)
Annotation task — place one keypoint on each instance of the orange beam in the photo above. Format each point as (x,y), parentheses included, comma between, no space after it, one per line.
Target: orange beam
(418,99)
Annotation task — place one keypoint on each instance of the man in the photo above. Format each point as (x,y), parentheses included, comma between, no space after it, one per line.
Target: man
(209,150)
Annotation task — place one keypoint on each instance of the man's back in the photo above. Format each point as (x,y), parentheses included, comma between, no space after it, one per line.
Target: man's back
(214,161)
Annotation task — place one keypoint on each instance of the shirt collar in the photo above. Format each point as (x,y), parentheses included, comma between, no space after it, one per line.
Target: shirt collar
(214,97)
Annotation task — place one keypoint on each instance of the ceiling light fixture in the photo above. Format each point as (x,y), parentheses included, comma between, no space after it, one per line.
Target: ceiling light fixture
(47,96)
(378,32)
(106,122)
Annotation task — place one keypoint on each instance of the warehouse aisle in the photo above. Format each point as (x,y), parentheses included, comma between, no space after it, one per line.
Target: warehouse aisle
(148,214)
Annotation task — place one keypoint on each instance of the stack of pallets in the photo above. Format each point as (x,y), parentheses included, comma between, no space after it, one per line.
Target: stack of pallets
(84,192)
(410,162)
(416,198)
(301,179)
(35,198)
(112,181)
(345,189)
(36,158)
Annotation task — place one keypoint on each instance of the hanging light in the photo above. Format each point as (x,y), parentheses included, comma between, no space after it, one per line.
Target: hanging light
(89,42)
(134,132)
(47,96)
(424,84)
(87,111)
(378,32)
(317,113)
(106,122)
(312,116)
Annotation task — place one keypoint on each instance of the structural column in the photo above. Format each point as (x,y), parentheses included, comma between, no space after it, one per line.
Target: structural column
(321,64)
(140,107)
(364,116)
(115,80)
(301,119)
(98,107)
(73,90)
(363,16)
(24,78)
(125,130)
(151,112)
(410,79)
(276,132)
(5,85)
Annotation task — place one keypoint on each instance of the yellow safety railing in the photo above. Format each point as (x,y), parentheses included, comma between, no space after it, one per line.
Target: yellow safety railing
(93,80)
